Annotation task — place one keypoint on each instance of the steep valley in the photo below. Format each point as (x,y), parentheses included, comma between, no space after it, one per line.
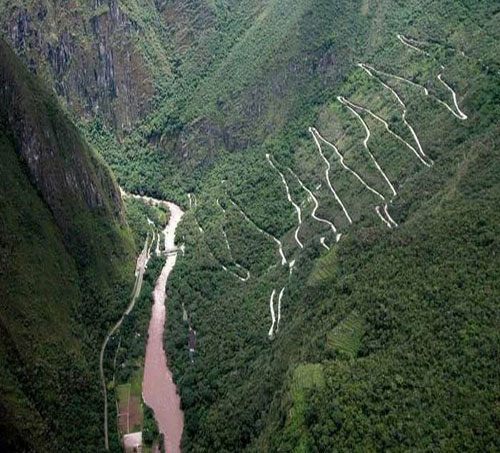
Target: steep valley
(66,256)
(336,281)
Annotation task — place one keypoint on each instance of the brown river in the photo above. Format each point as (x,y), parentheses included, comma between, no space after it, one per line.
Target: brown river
(159,390)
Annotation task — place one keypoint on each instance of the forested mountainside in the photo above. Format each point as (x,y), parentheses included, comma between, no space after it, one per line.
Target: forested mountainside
(66,262)
(338,162)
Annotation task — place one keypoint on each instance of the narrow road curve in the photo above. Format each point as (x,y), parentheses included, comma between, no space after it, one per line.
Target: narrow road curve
(316,206)
(386,222)
(388,129)
(273,317)
(351,108)
(159,390)
(322,242)
(349,169)
(458,113)
(312,131)
(408,42)
(420,152)
(278,242)
(288,195)
(461,115)
(386,210)
(279,308)
(401,79)
(140,268)
(243,279)
(239,266)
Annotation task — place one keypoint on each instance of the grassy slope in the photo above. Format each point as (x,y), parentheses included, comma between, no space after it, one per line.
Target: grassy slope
(66,273)
(424,377)
(235,389)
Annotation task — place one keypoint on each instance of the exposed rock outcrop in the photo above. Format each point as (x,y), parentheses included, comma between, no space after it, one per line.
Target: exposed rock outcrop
(88,53)
(42,134)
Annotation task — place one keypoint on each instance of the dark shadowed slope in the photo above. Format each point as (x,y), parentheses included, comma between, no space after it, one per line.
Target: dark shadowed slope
(66,268)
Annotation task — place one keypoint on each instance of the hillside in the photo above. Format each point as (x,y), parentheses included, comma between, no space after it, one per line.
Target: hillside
(66,261)
(337,162)
(408,274)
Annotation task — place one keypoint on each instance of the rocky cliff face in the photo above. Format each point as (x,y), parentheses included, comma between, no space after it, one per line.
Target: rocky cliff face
(42,134)
(88,53)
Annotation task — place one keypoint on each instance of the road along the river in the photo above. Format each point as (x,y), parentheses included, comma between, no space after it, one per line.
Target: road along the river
(142,262)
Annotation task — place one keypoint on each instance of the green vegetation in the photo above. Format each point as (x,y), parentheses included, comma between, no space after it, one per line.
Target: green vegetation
(66,268)
(306,379)
(388,341)
(346,337)
(430,330)
(361,311)
(138,214)
(126,350)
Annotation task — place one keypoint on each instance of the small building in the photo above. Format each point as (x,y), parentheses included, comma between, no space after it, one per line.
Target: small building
(133,442)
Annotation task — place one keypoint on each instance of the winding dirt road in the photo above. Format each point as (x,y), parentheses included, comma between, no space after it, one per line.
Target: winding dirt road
(386,222)
(273,317)
(313,131)
(461,115)
(391,220)
(351,106)
(289,197)
(316,206)
(349,169)
(275,239)
(408,43)
(412,44)
(418,152)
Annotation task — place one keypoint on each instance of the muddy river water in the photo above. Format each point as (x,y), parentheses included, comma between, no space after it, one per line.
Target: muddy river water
(159,390)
